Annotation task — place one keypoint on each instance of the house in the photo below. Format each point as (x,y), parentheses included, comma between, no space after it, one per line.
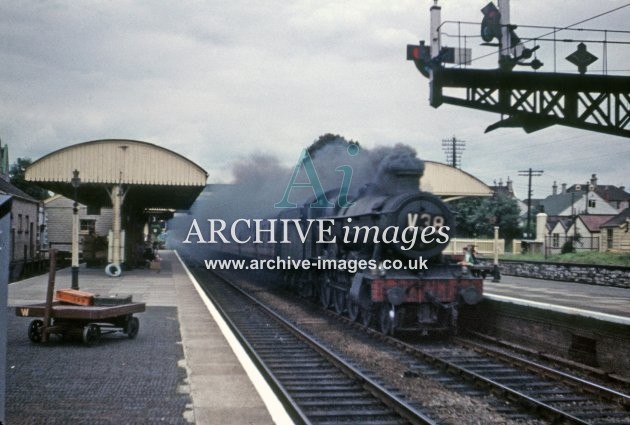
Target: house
(576,215)
(58,211)
(507,189)
(568,204)
(615,196)
(24,242)
(616,233)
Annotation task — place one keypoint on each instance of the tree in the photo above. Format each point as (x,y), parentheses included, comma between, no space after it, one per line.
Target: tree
(476,217)
(328,140)
(16,175)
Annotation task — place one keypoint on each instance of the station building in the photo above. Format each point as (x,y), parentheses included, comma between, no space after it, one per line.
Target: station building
(139,182)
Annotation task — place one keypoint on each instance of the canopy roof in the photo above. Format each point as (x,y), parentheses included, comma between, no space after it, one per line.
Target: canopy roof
(450,182)
(154,177)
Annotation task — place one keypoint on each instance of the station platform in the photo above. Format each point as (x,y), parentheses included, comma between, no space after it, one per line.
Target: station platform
(184,366)
(594,301)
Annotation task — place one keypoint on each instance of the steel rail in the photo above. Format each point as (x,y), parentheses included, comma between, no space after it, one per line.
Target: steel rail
(542,408)
(398,405)
(582,385)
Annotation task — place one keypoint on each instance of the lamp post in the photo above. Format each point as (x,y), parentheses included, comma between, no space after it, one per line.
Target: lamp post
(76,181)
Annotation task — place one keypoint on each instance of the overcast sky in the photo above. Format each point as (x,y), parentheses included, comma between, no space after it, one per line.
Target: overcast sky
(218,81)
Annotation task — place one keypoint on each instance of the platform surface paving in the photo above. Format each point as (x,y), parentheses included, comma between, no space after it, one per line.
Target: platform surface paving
(597,298)
(178,370)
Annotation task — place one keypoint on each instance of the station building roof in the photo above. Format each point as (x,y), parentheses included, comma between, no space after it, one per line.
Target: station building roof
(153,176)
(450,182)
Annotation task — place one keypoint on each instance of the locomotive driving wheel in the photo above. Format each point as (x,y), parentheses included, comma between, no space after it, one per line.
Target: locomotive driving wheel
(387,319)
(304,285)
(366,314)
(325,291)
(339,300)
(354,310)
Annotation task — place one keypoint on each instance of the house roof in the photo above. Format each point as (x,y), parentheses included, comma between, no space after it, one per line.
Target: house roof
(7,188)
(608,192)
(553,221)
(594,222)
(612,193)
(555,204)
(619,219)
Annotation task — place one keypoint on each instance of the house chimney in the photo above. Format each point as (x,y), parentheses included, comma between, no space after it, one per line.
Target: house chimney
(4,162)
(510,188)
(554,188)
(564,188)
(594,180)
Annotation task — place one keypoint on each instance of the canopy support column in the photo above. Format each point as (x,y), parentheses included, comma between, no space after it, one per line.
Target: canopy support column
(117,196)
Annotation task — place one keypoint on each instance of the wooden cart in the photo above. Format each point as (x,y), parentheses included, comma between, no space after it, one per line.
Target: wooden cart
(68,319)
(90,322)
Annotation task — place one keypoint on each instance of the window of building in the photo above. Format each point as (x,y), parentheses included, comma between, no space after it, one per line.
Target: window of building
(591,203)
(20,224)
(27,224)
(609,238)
(555,240)
(87,226)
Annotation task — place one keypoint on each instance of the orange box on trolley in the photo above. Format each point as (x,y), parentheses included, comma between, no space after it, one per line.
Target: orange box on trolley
(74,296)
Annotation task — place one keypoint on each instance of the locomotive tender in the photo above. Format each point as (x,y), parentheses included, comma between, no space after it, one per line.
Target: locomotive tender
(370,267)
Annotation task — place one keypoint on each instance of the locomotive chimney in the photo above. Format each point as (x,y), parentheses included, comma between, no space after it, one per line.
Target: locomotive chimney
(407,181)
(397,180)
(399,172)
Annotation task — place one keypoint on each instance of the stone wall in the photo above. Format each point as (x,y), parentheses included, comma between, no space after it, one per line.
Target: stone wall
(597,343)
(581,273)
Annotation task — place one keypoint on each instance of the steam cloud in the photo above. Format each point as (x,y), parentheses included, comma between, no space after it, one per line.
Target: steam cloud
(261,180)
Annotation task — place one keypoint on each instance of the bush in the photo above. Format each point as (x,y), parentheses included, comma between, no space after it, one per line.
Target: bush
(567,248)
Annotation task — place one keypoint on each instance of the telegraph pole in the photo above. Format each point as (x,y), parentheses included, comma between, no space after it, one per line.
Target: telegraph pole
(453,149)
(529,173)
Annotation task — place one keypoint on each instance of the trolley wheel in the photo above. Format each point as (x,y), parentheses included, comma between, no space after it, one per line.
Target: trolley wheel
(132,327)
(91,334)
(35,330)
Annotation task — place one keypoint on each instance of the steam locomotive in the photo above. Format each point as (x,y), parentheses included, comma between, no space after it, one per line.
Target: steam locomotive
(377,259)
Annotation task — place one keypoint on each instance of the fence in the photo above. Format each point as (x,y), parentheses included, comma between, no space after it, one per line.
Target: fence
(555,242)
(484,247)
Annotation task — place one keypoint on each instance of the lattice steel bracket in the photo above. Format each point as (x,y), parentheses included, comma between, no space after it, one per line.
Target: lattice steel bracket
(534,100)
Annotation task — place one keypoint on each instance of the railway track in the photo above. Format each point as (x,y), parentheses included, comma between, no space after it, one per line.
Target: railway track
(556,396)
(538,389)
(315,385)
(531,390)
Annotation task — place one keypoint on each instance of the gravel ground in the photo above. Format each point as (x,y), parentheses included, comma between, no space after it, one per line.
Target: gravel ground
(439,402)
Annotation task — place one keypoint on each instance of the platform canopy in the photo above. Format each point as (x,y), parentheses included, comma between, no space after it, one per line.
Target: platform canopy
(152,176)
(450,182)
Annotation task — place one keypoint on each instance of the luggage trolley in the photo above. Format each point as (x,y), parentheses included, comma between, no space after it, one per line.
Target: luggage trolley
(90,321)
(80,313)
